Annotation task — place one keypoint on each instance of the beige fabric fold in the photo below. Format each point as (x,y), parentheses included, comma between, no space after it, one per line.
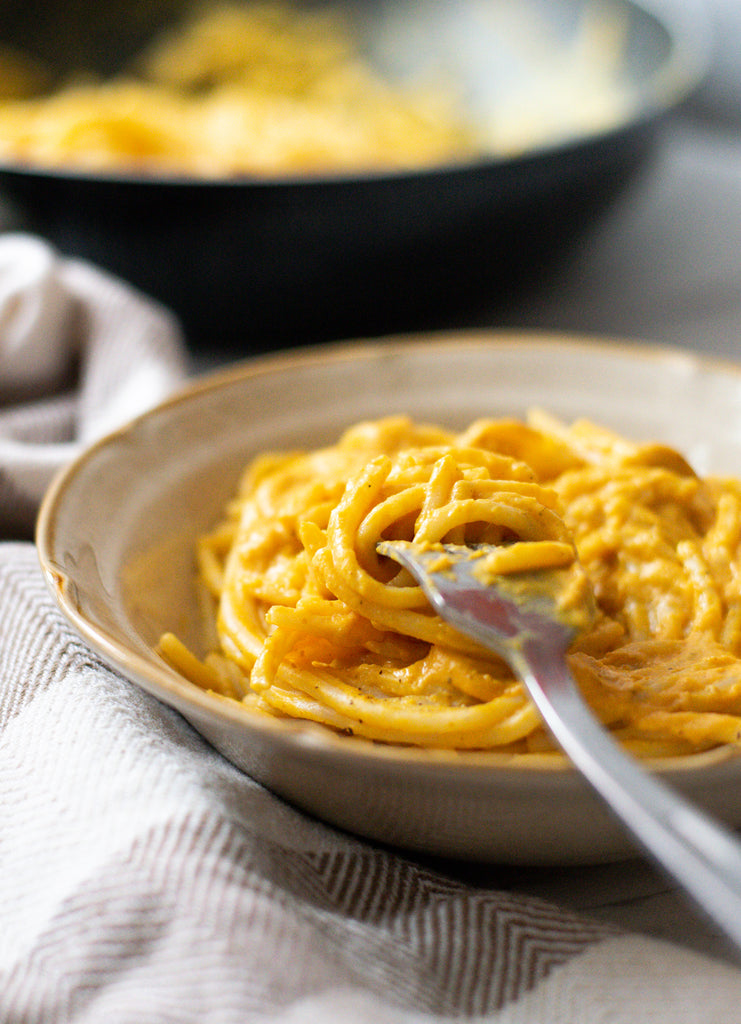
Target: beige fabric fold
(81,352)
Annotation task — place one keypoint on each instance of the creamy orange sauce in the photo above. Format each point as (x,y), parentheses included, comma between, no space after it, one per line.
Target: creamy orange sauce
(639,553)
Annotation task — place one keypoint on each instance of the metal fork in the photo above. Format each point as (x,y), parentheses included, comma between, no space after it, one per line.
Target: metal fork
(699,853)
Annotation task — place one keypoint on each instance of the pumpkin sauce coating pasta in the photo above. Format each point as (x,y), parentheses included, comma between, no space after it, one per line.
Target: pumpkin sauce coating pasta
(314,624)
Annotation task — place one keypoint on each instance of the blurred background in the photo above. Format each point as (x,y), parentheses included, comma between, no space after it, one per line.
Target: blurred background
(626,227)
(664,262)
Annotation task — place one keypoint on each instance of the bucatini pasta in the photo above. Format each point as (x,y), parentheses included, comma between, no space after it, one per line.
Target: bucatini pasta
(314,624)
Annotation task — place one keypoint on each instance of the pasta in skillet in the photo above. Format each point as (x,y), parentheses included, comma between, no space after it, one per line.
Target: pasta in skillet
(272,88)
(313,624)
(256,89)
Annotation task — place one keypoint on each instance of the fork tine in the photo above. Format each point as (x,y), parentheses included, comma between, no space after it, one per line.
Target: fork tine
(494,615)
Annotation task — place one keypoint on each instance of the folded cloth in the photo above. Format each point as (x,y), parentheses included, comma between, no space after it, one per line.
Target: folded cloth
(144,878)
(80,353)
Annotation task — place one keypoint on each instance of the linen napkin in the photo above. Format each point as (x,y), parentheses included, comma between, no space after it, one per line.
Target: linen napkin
(81,352)
(145,879)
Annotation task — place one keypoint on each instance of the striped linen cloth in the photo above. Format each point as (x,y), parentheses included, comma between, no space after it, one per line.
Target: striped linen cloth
(145,880)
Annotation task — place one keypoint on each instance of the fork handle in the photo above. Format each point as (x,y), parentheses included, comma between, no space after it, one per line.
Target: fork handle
(702,855)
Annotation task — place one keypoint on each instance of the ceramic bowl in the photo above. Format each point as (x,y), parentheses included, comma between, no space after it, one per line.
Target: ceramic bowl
(116,541)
